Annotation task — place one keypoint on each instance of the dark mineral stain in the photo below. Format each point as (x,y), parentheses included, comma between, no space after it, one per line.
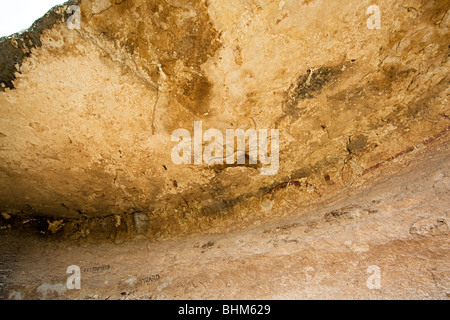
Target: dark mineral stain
(308,86)
(15,48)
(248,164)
(283,185)
(208,245)
(301,173)
(195,95)
(357,143)
(221,207)
(340,213)
(159,34)
(328,180)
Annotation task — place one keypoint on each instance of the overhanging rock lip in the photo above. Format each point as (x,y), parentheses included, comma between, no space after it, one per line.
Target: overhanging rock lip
(17,46)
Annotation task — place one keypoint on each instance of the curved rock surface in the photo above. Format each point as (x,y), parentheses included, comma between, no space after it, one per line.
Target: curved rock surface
(87,114)
(87,117)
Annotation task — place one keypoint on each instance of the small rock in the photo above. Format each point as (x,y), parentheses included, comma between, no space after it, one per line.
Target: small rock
(6,216)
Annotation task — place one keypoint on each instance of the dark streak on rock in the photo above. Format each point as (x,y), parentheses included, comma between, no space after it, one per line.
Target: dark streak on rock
(308,86)
(248,164)
(409,150)
(284,185)
(357,143)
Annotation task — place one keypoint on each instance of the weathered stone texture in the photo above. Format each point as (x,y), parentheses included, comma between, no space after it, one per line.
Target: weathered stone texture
(86,116)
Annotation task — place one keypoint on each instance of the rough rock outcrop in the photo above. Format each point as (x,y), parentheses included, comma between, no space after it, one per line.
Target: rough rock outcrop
(87,114)
(357,90)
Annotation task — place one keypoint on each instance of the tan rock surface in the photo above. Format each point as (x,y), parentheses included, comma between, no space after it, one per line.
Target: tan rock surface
(86,118)
(398,224)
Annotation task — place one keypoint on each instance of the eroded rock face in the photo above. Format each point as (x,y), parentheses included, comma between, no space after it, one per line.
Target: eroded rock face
(87,115)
